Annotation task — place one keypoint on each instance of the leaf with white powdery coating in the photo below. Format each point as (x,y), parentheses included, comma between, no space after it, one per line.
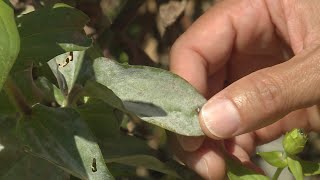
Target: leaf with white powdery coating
(9,41)
(157,96)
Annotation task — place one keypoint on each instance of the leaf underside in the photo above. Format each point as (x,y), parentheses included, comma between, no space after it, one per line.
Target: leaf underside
(155,95)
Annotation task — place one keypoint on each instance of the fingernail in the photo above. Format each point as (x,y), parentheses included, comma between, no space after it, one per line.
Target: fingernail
(190,144)
(221,117)
(201,167)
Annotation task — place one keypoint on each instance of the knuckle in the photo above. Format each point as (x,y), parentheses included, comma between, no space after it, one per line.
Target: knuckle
(269,91)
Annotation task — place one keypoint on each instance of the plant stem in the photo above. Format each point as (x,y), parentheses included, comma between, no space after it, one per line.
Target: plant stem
(74,96)
(277,173)
(16,97)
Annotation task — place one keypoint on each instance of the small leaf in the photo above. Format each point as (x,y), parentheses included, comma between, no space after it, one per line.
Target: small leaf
(295,168)
(310,168)
(237,171)
(51,92)
(148,162)
(169,101)
(9,41)
(43,38)
(69,66)
(61,137)
(274,158)
(62,82)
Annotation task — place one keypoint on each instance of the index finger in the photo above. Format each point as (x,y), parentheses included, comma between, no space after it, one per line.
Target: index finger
(204,48)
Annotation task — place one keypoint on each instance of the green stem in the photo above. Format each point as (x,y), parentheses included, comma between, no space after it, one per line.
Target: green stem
(277,173)
(16,97)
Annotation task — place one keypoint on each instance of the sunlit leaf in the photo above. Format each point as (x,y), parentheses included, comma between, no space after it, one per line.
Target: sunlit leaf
(155,95)
(275,158)
(294,141)
(69,64)
(295,168)
(9,41)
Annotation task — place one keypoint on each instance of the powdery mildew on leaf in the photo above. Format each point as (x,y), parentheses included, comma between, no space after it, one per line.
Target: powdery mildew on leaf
(167,100)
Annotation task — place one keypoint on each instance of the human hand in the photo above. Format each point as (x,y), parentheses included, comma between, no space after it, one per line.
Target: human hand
(269,53)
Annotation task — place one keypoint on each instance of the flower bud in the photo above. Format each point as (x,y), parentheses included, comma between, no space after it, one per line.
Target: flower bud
(294,141)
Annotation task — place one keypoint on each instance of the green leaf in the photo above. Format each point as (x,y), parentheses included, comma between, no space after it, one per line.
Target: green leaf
(237,171)
(98,91)
(9,41)
(103,120)
(10,148)
(24,81)
(295,168)
(310,168)
(51,31)
(61,137)
(51,92)
(62,82)
(16,164)
(30,167)
(157,96)
(275,158)
(146,161)
(70,68)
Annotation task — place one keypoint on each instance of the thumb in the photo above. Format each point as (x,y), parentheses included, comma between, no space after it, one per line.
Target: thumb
(263,97)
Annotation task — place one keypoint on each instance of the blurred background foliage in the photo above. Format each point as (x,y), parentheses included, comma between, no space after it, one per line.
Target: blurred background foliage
(133,31)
